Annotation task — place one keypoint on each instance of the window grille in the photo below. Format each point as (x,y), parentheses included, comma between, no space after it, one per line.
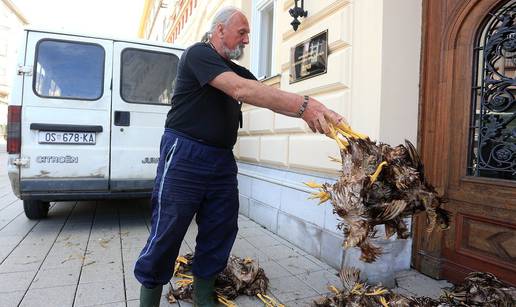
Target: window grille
(492,141)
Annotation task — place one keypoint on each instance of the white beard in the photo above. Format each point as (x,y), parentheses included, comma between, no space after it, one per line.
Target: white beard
(234,54)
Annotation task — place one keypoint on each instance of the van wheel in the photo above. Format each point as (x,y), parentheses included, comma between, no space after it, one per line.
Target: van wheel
(36,209)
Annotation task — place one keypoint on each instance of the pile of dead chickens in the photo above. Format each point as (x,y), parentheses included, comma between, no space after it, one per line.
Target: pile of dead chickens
(379,184)
(240,277)
(478,289)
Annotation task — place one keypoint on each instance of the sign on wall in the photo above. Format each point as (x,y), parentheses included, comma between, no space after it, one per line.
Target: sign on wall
(309,58)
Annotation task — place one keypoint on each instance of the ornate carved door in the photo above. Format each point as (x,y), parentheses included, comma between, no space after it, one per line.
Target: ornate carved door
(467,136)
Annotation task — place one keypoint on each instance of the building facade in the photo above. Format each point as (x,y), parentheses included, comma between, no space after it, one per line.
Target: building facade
(381,65)
(12,22)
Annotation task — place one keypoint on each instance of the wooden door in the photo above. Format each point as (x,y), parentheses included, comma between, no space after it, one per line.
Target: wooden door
(467,136)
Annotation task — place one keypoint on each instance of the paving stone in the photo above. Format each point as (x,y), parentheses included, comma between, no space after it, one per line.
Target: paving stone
(57,296)
(243,249)
(8,241)
(116,304)
(99,293)
(163,302)
(131,224)
(17,281)
(56,277)
(130,256)
(280,252)
(250,232)
(289,244)
(190,235)
(185,249)
(263,241)
(12,213)
(246,301)
(21,260)
(290,288)
(106,257)
(133,303)
(5,251)
(60,258)
(16,224)
(418,284)
(273,270)
(10,299)
(320,263)
(132,286)
(303,302)
(135,241)
(403,291)
(299,265)
(247,224)
(101,272)
(319,281)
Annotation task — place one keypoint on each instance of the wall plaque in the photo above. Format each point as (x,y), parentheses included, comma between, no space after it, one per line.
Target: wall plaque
(309,58)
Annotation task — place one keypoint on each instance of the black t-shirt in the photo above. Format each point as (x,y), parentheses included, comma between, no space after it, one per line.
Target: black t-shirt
(198,109)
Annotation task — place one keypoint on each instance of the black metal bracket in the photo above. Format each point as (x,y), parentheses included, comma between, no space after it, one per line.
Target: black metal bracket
(297,12)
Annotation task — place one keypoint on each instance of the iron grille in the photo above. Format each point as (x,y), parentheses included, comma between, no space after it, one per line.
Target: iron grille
(492,145)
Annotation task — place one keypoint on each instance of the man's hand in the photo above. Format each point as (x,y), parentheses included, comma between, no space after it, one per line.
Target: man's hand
(317,116)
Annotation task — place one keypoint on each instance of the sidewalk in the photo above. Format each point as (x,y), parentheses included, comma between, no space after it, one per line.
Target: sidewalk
(84,253)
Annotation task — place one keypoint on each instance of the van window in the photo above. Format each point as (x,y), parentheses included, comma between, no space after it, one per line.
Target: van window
(70,70)
(148,76)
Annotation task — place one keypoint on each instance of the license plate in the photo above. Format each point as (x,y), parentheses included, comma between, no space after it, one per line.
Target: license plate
(54,137)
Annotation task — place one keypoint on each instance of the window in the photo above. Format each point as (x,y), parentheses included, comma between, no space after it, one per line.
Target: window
(70,70)
(262,57)
(492,144)
(148,76)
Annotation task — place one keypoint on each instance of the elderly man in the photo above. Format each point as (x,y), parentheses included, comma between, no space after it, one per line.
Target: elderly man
(197,171)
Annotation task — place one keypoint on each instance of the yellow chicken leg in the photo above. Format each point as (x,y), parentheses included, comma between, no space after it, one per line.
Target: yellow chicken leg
(344,128)
(377,172)
(384,302)
(343,145)
(313,185)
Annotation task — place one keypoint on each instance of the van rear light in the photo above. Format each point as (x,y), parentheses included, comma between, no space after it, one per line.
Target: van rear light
(14,129)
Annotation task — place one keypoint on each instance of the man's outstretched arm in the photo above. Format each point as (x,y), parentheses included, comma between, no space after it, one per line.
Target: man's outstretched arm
(316,115)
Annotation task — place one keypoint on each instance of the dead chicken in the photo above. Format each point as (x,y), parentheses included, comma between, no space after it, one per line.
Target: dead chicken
(356,293)
(379,184)
(241,276)
(478,289)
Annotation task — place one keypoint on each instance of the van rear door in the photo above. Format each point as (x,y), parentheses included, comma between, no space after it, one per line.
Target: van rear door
(143,84)
(66,113)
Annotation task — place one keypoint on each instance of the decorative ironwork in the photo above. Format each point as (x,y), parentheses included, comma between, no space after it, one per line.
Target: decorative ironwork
(492,151)
(296,12)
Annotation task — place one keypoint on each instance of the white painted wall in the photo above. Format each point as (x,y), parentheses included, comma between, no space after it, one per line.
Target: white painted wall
(385,82)
(401,44)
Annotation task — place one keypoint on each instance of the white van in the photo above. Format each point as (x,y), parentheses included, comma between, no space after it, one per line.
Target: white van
(86,116)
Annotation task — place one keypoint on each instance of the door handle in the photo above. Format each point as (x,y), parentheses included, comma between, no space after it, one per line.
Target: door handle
(122,118)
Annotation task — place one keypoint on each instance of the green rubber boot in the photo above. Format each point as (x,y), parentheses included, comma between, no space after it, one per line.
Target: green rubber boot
(204,292)
(150,297)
